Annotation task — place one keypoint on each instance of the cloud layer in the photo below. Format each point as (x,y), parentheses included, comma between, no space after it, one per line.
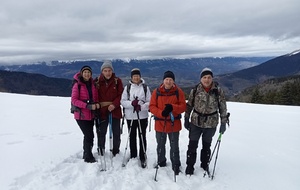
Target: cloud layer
(35,30)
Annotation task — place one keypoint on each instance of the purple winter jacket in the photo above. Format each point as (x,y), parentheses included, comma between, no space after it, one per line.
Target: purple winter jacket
(79,98)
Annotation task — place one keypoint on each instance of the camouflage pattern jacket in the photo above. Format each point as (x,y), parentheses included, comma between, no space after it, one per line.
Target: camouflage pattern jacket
(205,107)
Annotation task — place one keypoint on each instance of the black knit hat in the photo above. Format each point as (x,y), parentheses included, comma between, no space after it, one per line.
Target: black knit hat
(86,67)
(135,71)
(206,71)
(169,74)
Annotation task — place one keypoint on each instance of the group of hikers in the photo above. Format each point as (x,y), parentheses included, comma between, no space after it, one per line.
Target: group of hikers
(99,100)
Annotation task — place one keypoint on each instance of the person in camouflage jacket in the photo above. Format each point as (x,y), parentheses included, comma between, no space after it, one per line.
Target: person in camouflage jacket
(205,104)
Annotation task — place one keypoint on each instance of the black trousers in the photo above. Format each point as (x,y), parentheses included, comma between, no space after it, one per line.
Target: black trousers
(116,134)
(194,136)
(87,128)
(134,126)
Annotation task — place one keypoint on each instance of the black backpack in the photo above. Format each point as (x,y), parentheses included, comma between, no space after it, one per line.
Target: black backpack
(73,107)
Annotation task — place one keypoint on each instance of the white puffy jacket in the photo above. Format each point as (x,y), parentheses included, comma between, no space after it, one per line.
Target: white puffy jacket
(136,90)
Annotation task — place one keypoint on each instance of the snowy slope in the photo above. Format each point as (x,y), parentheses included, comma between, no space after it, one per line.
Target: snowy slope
(41,148)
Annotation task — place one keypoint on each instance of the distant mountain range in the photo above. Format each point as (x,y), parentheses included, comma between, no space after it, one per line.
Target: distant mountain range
(282,66)
(186,70)
(233,73)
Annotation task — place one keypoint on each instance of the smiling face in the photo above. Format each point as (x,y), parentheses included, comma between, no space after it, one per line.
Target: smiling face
(206,81)
(86,74)
(107,72)
(168,83)
(136,79)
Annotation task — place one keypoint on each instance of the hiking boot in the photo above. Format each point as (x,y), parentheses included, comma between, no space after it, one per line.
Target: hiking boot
(143,163)
(115,152)
(204,166)
(101,151)
(162,164)
(189,170)
(176,170)
(89,158)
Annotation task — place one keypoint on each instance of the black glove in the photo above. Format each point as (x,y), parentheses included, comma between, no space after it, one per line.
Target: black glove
(222,128)
(89,106)
(187,123)
(168,109)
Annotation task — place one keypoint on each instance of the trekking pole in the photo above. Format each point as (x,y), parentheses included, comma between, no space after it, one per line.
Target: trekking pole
(206,172)
(99,149)
(173,155)
(219,140)
(141,136)
(216,145)
(159,151)
(123,119)
(110,137)
(150,123)
(123,163)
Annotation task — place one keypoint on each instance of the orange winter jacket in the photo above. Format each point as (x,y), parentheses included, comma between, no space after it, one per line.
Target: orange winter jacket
(157,105)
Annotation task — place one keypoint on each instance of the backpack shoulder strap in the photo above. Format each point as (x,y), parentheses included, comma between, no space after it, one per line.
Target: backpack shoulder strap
(159,94)
(217,93)
(129,86)
(194,93)
(128,90)
(145,89)
(74,82)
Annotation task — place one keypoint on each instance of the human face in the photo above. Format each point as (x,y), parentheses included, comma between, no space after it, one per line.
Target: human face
(107,72)
(206,81)
(136,79)
(168,83)
(86,74)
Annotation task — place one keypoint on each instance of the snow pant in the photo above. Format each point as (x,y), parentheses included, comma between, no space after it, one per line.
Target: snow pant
(161,139)
(88,136)
(132,137)
(116,132)
(194,136)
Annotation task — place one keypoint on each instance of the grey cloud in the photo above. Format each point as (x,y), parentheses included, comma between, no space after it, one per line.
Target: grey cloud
(34,30)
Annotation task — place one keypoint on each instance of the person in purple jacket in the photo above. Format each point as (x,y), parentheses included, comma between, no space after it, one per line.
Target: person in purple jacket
(85,98)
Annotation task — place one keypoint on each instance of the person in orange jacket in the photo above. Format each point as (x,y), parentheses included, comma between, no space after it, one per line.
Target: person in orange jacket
(166,104)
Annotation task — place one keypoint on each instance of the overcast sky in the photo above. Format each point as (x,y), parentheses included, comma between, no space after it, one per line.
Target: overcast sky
(45,30)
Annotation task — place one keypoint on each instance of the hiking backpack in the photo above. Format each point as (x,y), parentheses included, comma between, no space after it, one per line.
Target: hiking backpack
(73,107)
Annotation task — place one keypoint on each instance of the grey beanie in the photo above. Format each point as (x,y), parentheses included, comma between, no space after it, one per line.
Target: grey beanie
(107,64)
(206,71)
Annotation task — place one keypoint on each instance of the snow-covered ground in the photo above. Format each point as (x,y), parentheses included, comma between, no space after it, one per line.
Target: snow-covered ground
(41,148)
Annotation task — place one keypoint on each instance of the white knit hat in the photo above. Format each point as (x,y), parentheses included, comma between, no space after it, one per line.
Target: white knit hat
(206,71)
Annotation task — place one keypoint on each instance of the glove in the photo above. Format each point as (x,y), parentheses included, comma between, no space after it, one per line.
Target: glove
(168,109)
(187,123)
(137,108)
(222,128)
(89,106)
(135,102)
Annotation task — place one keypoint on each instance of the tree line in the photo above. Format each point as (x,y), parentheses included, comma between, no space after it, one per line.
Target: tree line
(288,94)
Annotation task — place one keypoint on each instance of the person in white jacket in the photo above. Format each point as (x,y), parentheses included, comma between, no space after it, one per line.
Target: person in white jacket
(135,101)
